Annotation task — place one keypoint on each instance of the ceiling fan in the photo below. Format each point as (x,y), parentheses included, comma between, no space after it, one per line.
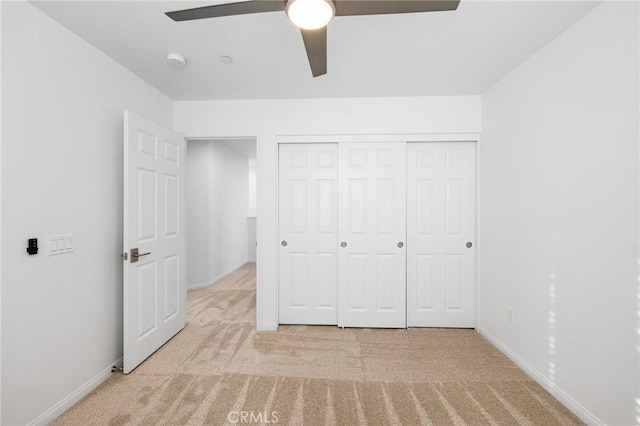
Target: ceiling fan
(312,17)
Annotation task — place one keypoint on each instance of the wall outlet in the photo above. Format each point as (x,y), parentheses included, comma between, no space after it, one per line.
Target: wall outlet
(510,316)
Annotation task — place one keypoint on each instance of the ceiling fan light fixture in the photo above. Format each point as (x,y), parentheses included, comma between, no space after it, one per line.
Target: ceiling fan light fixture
(310,14)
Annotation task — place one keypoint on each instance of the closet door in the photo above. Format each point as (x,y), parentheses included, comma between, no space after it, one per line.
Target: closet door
(308,233)
(441,195)
(372,227)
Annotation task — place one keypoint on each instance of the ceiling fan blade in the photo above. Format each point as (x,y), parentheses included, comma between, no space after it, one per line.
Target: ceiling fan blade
(315,41)
(378,7)
(228,9)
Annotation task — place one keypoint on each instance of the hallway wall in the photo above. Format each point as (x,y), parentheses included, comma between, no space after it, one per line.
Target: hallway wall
(217,206)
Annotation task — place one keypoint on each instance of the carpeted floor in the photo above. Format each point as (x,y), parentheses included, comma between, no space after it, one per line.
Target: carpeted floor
(219,370)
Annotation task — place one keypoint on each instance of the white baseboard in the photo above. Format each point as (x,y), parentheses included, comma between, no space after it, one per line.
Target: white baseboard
(198,286)
(268,326)
(75,396)
(214,280)
(577,409)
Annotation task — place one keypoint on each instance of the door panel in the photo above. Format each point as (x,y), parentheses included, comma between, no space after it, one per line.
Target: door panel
(308,223)
(372,219)
(153,219)
(441,190)
(172,287)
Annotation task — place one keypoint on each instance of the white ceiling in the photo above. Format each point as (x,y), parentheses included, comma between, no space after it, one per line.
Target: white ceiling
(422,54)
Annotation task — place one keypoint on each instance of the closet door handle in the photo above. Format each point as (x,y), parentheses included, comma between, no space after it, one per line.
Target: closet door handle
(343,244)
(469,244)
(284,243)
(400,244)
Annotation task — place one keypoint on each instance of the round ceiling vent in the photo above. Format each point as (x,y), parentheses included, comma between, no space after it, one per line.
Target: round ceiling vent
(176,61)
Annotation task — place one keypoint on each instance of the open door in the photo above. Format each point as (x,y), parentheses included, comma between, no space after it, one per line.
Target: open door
(154,238)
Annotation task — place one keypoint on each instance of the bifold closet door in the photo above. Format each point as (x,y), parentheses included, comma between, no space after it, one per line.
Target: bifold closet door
(441,195)
(372,230)
(308,175)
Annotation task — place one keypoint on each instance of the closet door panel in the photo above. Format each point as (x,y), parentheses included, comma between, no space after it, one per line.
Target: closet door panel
(372,230)
(308,260)
(441,188)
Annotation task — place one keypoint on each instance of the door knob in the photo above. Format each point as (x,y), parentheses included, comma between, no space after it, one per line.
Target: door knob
(469,244)
(400,244)
(284,243)
(135,255)
(343,244)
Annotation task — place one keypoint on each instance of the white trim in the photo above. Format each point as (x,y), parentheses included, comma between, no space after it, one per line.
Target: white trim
(265,325)
(477,241)
(395,137)
(269,326)
(260,142)
(573,405)
(1,6)
(217,138)
(200,285)
(214,280)
(75,396)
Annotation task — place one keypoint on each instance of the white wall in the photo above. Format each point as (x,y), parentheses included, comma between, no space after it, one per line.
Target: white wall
(229,203)
(62,104)
(252,236)
(198,193)
(1,8)
(217,205)
(267,120)
(559,214)
(252,187)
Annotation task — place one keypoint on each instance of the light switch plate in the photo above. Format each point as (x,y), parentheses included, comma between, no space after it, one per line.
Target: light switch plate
(60,244)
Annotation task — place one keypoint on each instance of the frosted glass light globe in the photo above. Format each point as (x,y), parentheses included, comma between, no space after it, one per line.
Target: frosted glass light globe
(310,14)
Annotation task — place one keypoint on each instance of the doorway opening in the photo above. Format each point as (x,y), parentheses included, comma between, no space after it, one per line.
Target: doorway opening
(221,198)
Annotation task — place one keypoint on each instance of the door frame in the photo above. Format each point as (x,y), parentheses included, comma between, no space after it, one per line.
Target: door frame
(259,215)
(364,138)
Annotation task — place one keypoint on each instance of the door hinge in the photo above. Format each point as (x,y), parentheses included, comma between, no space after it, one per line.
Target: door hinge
(125,256)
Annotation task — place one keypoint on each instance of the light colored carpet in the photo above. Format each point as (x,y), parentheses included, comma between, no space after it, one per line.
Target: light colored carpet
(219,370)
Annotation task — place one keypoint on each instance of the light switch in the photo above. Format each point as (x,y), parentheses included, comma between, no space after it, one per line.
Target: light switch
(53,245)
(60,244)
(68,243)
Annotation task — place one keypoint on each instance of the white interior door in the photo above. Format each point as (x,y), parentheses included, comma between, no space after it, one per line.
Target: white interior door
(308,233)
(372,229)
(441,188)
(154,224)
